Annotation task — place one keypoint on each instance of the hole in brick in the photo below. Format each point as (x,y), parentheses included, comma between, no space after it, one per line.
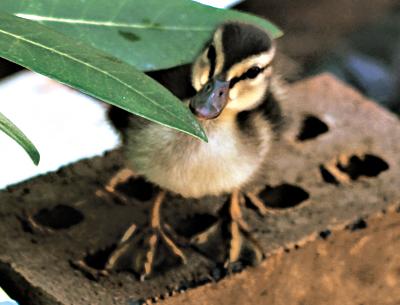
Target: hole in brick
(196,224)
(59,217)
(325,234)
(312,127)
(98,259)
(327,176)
(283,196)
(137,188)
(369,166)
(360,224)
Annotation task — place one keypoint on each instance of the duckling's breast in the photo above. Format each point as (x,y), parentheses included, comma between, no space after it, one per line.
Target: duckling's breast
(192,168)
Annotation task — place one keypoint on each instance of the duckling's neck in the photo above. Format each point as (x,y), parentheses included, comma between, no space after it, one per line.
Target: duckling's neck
(226,119)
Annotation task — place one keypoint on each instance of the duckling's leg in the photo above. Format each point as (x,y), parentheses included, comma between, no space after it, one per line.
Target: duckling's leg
(239,229)
(120,177)
(110,189)
(142,261)
(333,169)
(158,235)
(257,202)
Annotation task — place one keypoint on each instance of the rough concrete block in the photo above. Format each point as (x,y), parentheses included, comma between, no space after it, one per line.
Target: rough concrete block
(352,266)
(337,165)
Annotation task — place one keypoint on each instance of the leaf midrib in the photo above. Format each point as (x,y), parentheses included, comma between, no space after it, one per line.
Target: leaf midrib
(92,67)
(143,26)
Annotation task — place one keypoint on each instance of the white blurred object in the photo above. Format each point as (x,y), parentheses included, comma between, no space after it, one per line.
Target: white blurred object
(220,3)
(62,123)
(5,299)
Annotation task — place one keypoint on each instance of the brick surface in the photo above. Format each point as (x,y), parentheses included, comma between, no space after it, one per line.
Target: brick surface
(309,184)
(350,267)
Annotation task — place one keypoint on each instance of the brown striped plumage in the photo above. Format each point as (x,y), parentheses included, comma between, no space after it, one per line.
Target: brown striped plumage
(236,95)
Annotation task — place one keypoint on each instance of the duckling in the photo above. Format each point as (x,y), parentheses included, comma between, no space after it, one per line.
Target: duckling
(236,100)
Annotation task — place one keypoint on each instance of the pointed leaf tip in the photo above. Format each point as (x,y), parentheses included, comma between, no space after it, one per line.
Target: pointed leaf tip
(18,136)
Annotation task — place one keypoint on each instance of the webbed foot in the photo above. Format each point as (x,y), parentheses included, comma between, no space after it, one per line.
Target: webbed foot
(145,245)
(239,232)
(139,249)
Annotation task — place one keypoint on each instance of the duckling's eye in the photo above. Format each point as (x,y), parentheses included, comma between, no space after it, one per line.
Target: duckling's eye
(253,72)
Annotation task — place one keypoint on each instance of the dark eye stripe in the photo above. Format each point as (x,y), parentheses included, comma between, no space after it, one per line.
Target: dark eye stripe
(253,72)
(211,55)
(249,74)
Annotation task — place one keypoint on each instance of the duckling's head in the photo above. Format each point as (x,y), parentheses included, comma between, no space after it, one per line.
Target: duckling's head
(232,74)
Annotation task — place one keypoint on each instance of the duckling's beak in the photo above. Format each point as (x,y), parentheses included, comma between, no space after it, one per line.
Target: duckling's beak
(209,102)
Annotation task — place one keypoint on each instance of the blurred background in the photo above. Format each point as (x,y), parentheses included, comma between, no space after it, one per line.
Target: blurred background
(358,41)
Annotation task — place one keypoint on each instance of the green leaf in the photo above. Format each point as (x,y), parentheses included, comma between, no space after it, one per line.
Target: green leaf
(149,34)
(94,72)
(11,130)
